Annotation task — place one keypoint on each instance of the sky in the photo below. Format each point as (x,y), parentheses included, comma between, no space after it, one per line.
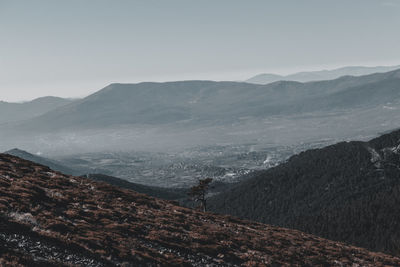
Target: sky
(76,47)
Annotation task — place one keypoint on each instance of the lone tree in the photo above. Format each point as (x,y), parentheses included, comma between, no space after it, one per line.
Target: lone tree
(198,192)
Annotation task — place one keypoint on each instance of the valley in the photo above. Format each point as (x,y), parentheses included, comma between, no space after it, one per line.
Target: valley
(222,163)
(199,133)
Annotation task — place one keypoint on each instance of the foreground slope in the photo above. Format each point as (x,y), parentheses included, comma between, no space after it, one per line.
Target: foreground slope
(348,192)
(50,218)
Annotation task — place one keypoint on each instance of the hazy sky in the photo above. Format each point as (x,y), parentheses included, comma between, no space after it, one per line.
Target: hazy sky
(74,47)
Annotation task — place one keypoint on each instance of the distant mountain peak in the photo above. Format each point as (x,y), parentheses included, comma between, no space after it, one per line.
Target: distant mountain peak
(308,76)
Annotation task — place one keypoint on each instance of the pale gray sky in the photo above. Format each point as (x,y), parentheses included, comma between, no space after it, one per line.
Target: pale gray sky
(75,47)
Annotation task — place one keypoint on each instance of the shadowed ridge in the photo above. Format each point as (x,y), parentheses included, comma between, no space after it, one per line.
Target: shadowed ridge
(159,192)
(55,165)
(348,192)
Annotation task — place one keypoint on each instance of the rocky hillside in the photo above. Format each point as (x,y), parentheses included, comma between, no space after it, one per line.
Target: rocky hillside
(58,220)
(348,192)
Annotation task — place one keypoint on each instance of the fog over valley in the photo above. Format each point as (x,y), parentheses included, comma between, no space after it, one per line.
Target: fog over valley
(185,120)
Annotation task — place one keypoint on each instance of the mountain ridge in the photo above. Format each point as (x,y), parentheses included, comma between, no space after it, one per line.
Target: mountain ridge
(11,112)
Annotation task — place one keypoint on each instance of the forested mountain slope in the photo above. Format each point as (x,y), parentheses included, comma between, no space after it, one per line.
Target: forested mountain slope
(349,191)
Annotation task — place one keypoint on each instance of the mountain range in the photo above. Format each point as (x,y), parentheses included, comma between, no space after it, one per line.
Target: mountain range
(48,218)
(348,192)
(309,76)
(178,115)
(215,102)
(201,101)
